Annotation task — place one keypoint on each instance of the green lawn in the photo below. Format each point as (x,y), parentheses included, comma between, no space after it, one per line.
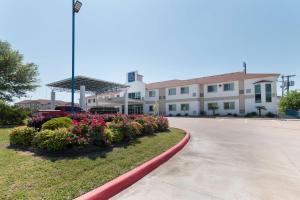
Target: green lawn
(27,176)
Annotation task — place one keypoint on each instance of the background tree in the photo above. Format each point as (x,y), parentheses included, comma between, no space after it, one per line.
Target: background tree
(16,78)
(156,108)
(290,101)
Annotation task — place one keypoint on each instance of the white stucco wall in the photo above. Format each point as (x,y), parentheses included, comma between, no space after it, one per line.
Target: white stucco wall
(155,98)
(221,110)
(220,91)
(250,105)
(193,108)
(193,89)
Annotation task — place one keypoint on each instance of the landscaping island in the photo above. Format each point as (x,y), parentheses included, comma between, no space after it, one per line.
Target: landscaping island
(85,163)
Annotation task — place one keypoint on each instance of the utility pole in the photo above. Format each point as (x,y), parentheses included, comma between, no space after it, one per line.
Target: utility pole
(288,83)
(282,86)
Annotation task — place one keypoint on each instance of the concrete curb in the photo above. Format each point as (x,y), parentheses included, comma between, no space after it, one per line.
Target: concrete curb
(120,183)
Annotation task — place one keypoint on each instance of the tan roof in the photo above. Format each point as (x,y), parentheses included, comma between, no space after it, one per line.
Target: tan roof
(209,79)
(43,101)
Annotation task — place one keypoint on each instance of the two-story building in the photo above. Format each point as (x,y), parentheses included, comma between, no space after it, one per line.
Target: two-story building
(233,93)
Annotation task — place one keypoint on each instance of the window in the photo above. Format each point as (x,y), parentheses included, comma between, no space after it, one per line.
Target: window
(212,88)
(94,100)
(89,101)
(151,108)
(248,91)
(228,86)
(152,93)
(268,92)
(134,95)
(172,107)
(172,91)
(184,90)
(229,106)
(257,94)
(185,107)
(212,105)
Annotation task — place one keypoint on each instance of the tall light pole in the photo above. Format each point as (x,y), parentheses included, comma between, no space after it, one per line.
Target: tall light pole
(75,9)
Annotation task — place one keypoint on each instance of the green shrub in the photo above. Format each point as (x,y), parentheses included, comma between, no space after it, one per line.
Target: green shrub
(52,140)
(12,115)
(270,114)
(22,136)
(252,114)
(113,135)
(55,123)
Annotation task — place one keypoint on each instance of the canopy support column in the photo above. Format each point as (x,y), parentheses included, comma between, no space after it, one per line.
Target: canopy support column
(82,97)
(52,102)
(126,102)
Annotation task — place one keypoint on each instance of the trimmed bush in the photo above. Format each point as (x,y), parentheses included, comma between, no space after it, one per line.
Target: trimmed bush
(52,140)
(135,128)
(113,136)
(55,123)
(149,124)
(162,124)
(22,136)
(270,114)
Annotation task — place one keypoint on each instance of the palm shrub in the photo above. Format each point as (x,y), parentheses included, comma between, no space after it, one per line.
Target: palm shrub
(22,136)
(55,123)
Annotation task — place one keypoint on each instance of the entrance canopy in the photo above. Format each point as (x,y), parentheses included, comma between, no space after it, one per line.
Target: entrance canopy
(91,85)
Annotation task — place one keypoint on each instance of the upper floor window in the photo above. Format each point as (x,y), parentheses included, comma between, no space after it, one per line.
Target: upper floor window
(134,95)
(257,94)
(172,107)
(185,107)
(268,92)
(172,91)
(212,88)
(152,93)
(94,100)
(229,106)
(228,86)
(184,90)
(89,100)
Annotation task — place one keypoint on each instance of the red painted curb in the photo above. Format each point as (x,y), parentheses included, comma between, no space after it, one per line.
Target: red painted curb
(122,182)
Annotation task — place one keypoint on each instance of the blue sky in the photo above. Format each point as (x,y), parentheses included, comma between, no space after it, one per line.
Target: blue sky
(162,39)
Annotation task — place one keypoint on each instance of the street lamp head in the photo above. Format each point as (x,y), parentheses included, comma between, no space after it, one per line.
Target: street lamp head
(77,6)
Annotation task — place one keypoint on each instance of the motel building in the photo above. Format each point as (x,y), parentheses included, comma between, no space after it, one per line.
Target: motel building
(234,93)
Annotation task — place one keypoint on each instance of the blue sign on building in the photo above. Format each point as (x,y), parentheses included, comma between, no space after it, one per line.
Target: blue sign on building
(131,77)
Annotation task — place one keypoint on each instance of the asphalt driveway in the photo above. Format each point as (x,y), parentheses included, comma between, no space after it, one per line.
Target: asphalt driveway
(228,159)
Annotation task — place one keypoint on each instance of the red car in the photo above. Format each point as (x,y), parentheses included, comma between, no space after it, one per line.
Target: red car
(60,111)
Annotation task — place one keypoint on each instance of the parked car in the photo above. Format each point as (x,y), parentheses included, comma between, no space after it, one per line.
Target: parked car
(59,111)
(68,109)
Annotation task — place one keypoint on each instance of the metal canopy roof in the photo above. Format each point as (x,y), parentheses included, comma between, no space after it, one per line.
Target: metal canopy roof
(91,85)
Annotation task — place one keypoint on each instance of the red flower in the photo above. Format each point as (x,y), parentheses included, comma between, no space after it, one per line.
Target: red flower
(69,139)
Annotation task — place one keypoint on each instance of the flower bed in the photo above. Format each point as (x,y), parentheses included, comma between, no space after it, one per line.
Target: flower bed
(58,133)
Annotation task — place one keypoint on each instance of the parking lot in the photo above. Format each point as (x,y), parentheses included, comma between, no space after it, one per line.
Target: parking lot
(228,158)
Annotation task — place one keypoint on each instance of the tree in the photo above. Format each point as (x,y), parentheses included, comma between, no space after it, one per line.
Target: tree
(290,101)
(156,108)
(213,107)
(16,78)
